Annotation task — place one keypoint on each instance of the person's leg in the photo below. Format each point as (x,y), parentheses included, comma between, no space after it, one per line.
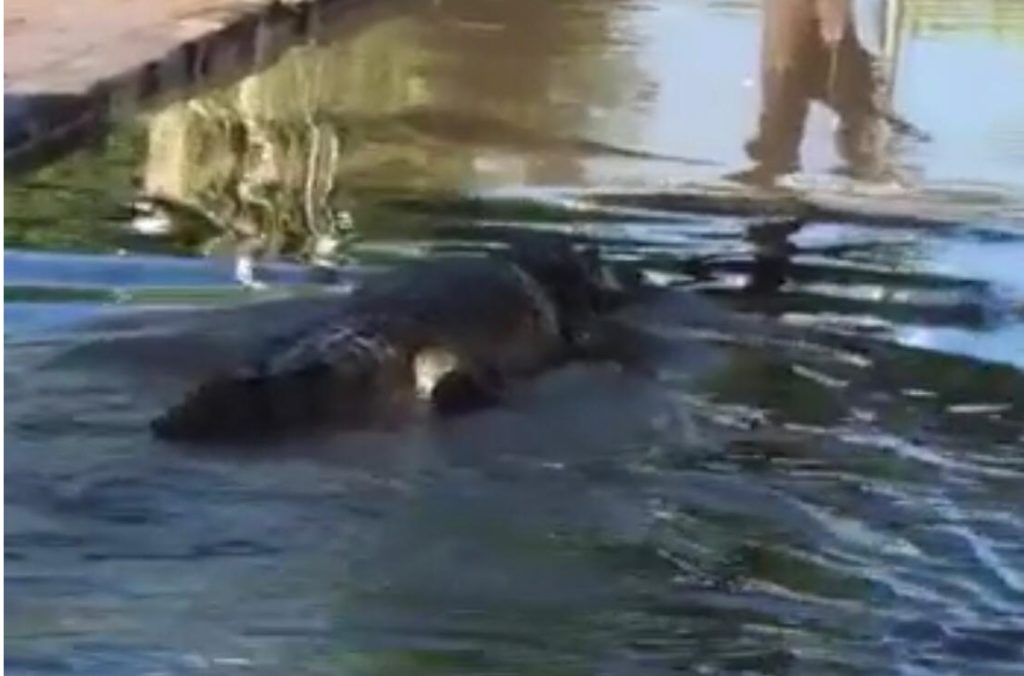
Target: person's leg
(790,41)
(852,93)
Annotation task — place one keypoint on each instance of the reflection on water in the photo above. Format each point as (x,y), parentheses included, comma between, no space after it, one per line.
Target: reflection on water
(811,51)
(470,96)
(415,101)
(823,476)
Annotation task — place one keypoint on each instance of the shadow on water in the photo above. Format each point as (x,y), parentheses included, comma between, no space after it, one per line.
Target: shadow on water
(823,475)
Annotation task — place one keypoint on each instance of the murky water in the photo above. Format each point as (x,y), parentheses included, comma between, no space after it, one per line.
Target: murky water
(823,475)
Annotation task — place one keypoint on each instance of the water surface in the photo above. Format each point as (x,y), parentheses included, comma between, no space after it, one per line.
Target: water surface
(823,476)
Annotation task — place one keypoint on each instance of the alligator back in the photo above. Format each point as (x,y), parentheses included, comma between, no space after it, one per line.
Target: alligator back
(379,355)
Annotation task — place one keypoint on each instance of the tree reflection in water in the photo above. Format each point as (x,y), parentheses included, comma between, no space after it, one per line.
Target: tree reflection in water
(422,99)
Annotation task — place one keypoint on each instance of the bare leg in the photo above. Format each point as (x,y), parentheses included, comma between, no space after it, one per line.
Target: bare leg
(810,51)
(789,44)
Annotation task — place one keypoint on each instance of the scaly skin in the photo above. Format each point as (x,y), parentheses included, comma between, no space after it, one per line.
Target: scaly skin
(447,333)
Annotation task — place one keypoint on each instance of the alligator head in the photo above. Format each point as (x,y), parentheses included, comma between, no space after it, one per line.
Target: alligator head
(578,283)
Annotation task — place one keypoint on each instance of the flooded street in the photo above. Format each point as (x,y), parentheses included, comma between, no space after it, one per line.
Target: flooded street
(822,472)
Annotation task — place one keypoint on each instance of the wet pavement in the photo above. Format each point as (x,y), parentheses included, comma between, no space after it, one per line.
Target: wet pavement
(824,475)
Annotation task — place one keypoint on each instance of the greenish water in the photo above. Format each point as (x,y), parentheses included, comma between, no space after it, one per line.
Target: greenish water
(824,476)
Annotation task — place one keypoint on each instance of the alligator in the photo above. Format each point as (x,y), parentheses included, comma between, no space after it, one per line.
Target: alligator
(443,336)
